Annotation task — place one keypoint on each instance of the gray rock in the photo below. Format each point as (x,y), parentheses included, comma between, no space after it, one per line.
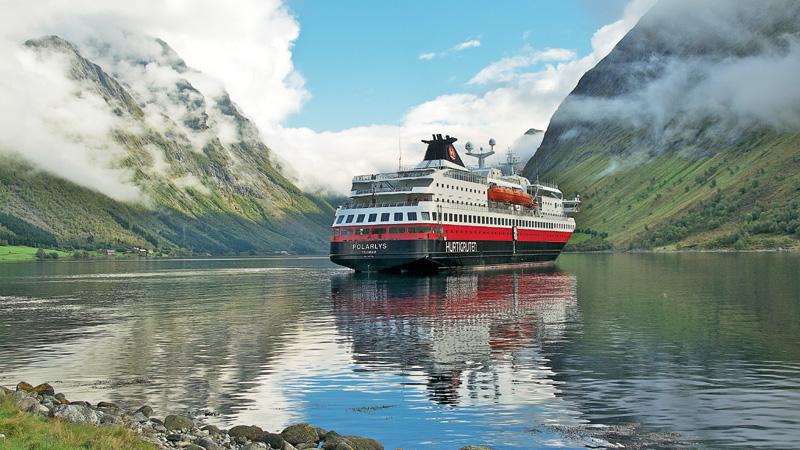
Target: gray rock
(207,443)
(174,422)
(306,445)
(76,413)
(254,446)
(343,446)
(139,417)
(30,405)
(299,434)
(333,439)
(193,447)
(145,411)
(251,432)
(212,429)
(274,440)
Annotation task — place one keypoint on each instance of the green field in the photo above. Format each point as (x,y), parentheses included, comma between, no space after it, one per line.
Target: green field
(19,253)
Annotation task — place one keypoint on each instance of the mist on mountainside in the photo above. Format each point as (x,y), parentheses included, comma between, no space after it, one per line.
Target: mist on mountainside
(675,115)
(144,129)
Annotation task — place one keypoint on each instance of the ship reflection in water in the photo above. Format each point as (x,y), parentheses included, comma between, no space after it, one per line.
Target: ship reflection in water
(477,336)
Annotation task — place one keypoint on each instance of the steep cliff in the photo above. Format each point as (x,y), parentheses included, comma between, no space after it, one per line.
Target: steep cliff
(688,133)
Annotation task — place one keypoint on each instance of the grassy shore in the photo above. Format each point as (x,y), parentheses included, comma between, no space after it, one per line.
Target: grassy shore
(19,253)
(26,431)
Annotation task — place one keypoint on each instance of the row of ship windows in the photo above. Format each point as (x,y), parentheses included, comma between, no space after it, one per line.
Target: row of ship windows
(458,188)
(423,229)
(451,217)
(383,230)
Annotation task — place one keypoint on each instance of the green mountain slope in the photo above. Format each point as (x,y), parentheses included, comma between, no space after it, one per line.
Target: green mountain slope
(208,183)
(686,135)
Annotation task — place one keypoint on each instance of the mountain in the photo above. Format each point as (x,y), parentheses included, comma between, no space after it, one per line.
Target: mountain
(687,135)
(166,162)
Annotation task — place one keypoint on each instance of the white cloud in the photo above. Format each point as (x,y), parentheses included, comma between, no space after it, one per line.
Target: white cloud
(246,44)
(466,45)
(427,56)
(505,70)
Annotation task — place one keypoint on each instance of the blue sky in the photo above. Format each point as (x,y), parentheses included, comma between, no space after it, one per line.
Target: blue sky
(369,62)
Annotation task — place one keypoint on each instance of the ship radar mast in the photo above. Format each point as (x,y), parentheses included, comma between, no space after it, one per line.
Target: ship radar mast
(511,161)
(481,156)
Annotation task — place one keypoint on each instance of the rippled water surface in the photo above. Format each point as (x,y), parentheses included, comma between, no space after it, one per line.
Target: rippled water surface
(697,350)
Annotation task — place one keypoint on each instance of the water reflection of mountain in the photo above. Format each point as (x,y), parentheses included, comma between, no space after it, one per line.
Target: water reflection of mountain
(458,328)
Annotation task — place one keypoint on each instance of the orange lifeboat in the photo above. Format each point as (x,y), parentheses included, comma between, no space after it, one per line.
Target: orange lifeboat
(502,195)
(521,198)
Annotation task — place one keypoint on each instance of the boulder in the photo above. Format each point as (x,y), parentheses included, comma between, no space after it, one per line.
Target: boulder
(333,440)
(251,432)
(174,422)
(212,429)
(31,405)
(76,413)
(274,440)
(145,410)
(299,434)
(207,443)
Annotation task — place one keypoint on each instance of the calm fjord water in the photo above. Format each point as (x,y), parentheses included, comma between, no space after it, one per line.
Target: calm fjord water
(702,347)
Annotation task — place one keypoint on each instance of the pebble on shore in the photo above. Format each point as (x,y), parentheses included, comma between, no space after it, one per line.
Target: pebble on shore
(177,431)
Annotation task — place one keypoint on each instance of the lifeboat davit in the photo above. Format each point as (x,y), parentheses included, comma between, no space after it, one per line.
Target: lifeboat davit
(502,195)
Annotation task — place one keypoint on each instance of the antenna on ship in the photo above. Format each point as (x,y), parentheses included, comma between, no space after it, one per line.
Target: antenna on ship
(400,154)
(511,161)
(481,156)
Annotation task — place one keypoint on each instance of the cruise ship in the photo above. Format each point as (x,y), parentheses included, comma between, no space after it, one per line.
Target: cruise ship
(442,215)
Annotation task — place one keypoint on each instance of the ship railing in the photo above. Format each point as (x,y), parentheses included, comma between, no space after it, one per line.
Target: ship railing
(465,176)
(403,172)
(384,190)
(544,183)
(348,205)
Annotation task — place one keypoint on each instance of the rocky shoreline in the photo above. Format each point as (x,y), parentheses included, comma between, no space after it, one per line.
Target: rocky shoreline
(176,431)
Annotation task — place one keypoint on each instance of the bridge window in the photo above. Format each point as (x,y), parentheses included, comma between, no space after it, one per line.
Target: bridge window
(397,230)
(347,231)
(426,216)
(340,219)
(412,216)
(398,217)
(360,218)
(350,219)
(381,230)
(372,218)
(384,217)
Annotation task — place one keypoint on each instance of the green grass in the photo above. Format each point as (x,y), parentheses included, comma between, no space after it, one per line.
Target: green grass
(19,253)
(25,431)
(671,202)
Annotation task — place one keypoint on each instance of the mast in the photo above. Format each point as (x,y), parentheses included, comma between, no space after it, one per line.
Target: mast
(482,155)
